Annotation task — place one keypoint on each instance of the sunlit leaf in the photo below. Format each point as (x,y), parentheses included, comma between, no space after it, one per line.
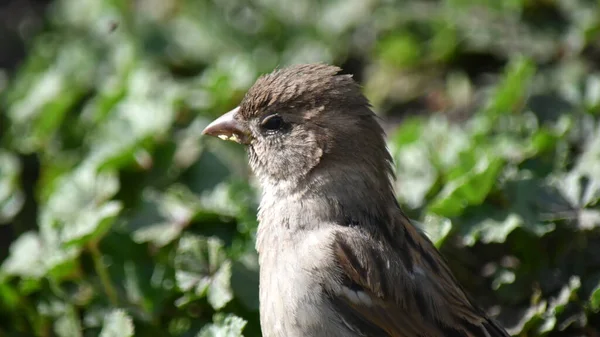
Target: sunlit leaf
(38,111)
(582,184)
(11,195)
(227,326)
(68,324)
(117,324)
(25,257)
(415,175)
(80,205)
(491,229)
(436,228)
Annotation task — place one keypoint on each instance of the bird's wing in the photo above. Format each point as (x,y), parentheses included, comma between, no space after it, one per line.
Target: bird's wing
(402,289)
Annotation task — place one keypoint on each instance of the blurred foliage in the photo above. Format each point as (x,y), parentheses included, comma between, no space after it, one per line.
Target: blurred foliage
(124,221)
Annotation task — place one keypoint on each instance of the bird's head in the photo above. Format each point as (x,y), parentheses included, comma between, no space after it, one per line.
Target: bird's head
(302,119)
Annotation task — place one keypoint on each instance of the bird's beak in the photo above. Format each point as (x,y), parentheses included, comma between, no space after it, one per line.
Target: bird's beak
(227,127)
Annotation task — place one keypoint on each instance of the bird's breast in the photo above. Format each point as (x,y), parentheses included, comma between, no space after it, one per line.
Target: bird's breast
(293,270)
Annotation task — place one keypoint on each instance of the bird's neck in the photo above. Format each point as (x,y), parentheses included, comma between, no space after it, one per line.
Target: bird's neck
(327,194)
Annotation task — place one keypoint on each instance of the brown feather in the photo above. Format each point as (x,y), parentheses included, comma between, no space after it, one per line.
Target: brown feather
(426,301)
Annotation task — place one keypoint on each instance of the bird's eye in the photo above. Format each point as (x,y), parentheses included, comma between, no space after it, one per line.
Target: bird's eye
(272,123)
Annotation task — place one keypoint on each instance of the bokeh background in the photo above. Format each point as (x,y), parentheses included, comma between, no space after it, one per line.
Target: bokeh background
(118,219)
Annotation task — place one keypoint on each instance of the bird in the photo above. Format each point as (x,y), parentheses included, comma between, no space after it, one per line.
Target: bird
(337,254)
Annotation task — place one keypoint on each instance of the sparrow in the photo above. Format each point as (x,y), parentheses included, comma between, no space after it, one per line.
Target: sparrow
(337,255)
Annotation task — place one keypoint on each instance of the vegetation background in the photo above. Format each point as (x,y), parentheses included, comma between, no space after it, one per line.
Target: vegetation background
(118,219)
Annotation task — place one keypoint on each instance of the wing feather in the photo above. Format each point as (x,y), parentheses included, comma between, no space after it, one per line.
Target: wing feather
(400,298)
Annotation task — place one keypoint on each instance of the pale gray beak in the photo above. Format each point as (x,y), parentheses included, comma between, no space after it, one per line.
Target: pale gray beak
(228,127)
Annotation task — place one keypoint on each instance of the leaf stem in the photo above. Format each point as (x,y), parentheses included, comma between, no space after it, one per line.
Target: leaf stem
(102,273)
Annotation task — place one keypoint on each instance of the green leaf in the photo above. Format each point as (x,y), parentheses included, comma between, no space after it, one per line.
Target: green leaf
(224,326)
(444,42)
(201,266)
(219,291)
(79,209)
(557,305)
(446,142)
(421,157)
(436,228)
(589,218)
(489,225)
(92,224)
(68,324)
(9,296)
(595,299)
(11,195)
(415,174)
(581,185)
(162,216)
(410,131)
(117,324)
(42,102)
(143,116)
(592,93)
(401,50)
(25,259)
(538,203)
(470,184)
(510,94)
(531,204)
(219,200)
(33,256)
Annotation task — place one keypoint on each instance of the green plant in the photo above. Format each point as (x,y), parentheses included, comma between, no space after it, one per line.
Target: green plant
(125,221)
